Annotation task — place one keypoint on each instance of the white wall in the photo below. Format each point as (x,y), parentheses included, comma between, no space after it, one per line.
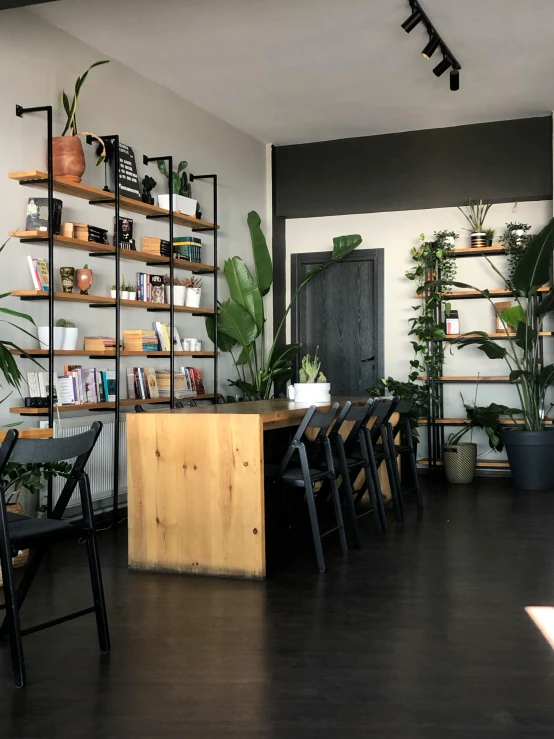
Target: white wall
(37,61)
(397,233)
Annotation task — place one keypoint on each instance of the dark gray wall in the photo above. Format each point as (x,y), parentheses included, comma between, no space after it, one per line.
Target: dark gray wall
(5,4)
(500,162)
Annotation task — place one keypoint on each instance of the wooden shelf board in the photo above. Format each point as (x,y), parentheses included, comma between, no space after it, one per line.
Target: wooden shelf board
(78,298)
(465,421)
(79,190)
(479,251)
(492,463)
(469,378)
(498,335)
(22,411)
(93,248)
(31,434)
(475,294)
(123,353)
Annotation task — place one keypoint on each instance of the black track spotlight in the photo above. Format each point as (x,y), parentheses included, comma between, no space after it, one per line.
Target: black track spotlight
(431,47)
(455,80)
(442,66)
(412,21)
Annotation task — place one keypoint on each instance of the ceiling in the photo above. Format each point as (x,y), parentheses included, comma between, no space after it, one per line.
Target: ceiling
(291,71)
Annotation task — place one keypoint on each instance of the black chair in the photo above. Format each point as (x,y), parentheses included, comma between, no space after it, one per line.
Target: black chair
(351,455)
(378,443)
(316,466)
(405,449)
(178,404)
(21,532)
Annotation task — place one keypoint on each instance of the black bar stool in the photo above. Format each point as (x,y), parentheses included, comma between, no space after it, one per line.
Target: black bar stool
(39,534)
(352,456)
(316,466)
(405,449)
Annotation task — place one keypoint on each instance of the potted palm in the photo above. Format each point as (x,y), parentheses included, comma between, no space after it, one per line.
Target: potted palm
(475,216)
(68,159)
(530,445)
(460,458)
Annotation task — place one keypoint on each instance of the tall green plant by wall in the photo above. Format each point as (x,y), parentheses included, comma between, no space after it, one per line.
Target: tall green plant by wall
(433,260)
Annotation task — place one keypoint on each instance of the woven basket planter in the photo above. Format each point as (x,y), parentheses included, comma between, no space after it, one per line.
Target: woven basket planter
(459,463)
(23,556)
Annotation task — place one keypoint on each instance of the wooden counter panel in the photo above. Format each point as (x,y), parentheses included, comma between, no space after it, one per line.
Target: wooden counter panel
(193,493)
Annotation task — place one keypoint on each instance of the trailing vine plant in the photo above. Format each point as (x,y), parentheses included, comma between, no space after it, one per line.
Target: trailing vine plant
(432,258)
(515,244)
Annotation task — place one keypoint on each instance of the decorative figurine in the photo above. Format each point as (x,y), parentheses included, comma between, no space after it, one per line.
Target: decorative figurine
(83,279)
(68,278)
(148,184)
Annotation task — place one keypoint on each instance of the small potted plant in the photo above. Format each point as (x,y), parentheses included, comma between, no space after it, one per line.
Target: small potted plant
(182,196)
(194,291)
(44,336)
(83,279)
(312,385)
(132,290)
(68,158)
(475,216)
(124,294)
(70,334)
(489,235)
(179,290)
(460,458)
(113,291)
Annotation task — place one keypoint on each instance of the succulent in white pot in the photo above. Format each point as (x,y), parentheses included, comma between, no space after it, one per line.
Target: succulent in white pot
(312,386)
(182,196)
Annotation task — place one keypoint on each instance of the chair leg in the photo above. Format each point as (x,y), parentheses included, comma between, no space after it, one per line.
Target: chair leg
(98,593)
(338,514)
(309,490)
(37,554)
(378,515)
(374,476)
(12,618)
(349,495)
(395,492)
(395,471)
(413,467)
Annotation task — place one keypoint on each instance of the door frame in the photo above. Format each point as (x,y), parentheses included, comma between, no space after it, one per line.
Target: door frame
(358,255)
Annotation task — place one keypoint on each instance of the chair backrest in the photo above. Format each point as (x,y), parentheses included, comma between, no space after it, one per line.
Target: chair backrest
(405,405)
(382,413)
(358,415)
(313,419)
(178,404)
(47,451)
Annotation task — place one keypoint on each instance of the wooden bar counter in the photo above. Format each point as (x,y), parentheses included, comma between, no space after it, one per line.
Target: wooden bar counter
(196,486)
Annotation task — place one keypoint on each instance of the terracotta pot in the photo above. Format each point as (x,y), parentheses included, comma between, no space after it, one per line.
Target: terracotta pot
(83,280)
(68,158)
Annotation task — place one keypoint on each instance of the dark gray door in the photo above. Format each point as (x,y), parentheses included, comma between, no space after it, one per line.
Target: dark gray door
(341,311)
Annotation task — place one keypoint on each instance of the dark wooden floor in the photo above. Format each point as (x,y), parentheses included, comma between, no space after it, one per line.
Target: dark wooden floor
(420,636)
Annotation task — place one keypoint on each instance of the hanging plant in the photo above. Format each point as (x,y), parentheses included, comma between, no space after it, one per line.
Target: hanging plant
(515,240)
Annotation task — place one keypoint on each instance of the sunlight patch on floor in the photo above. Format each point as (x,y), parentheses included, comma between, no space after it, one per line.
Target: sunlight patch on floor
(543,616)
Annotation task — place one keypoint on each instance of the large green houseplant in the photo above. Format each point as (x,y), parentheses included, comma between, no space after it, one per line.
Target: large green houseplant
(531,446)
(241,325)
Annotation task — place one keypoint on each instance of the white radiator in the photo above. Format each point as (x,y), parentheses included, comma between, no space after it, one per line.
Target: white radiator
(100,464)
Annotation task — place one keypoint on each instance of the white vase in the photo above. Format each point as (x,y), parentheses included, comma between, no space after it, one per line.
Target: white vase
(44,337)
(179,294)
(70,336)
(193,297)
(184,205)
(310,392)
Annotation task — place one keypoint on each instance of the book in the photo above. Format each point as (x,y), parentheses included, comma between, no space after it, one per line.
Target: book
(34,272)
(43,276)
(32,382)
(156,288)
(89,380)
(150,380)
(37,215)
(109,382)
(44,384)
(131,390)
(99,344)
(70,368)
(100,387)
(65,390)
(198,380)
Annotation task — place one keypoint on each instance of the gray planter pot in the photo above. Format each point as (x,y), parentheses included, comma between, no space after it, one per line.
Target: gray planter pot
(530,455)
(459,463)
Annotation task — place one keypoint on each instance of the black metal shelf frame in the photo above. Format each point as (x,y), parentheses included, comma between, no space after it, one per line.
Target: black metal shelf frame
(20,112)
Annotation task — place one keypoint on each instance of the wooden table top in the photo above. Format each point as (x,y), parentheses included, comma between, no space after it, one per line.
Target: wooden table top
(273,413)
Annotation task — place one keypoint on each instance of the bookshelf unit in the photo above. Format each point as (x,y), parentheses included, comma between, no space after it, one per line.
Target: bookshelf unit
(103,198)
(436,422)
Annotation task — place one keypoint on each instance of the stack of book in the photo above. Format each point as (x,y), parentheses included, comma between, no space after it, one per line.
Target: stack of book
(142,383)
(181,387)
(150,288)
(157,247)
(140,340)
(39,384)
(39,273)
(188,248)
(193,378)
(162,332)
(99,344)
(77,386)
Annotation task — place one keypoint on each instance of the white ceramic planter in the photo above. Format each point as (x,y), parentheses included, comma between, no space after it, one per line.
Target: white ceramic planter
(113,294)
(124,295)
(70,336)
(187,206)
(179,294)
(193,297)
(132,296)
(44,337)
(310,392)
